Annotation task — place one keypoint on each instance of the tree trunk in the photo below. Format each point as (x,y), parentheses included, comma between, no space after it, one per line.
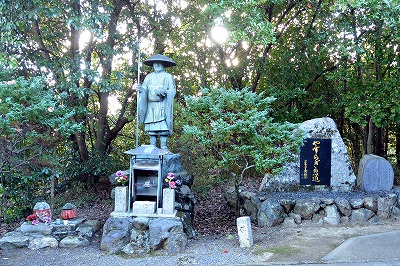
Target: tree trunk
(370,137)
(357,151)
(378,143)
(79,137)
(102,125)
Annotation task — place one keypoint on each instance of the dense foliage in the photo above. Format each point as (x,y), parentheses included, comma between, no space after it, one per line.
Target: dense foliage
(336,58)
(237,129)
(33,123)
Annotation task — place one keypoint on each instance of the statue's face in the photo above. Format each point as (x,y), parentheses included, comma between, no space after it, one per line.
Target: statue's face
(158,66)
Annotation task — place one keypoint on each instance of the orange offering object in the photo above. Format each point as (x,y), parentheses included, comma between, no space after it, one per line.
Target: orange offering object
(68,214)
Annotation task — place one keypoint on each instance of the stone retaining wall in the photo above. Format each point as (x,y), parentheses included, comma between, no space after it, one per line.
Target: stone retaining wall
(270,209)
(76,233)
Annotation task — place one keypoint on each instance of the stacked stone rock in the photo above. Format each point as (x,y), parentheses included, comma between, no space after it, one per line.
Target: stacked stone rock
(320,208)
(139,235)
(282,200)
(185,200)
(76,234)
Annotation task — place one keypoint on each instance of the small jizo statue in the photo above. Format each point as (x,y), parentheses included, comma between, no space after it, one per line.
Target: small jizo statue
(156,100)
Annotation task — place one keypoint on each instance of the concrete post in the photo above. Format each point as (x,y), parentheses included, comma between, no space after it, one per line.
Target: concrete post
(244,232)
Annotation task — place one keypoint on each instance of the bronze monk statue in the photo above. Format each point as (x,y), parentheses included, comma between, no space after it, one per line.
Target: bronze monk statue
(156,100)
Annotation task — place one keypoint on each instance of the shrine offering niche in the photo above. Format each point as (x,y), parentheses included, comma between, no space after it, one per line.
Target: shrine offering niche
(146,182)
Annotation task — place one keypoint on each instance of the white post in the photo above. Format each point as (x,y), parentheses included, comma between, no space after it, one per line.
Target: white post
(244,232)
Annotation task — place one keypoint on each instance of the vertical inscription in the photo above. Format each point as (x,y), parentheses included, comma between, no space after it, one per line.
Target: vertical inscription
(315,176)
(315,162)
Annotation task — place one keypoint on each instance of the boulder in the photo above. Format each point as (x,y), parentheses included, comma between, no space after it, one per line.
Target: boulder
(375,174)
(167,234)
(385,206)
(343,206)
(371,203)
(342,175)
(139,237)
(88,228)
(358,216)
(307,207)
(327,201)
(332,215)
(187,222)
(139,242)
(73,242)
(40,228)
(289,222)
(43,242)
(271,213)
(14,240)
(287,204)
(251,204)
(356,203)
(116,234)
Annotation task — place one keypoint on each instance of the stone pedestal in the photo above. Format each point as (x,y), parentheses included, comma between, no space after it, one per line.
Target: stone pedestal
(244,232)
(121,199)
(139,235)
(168,201)
(143,207)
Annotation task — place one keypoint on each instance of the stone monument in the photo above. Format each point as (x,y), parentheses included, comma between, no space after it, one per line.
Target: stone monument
(159,214)
(342,175)
(375,174)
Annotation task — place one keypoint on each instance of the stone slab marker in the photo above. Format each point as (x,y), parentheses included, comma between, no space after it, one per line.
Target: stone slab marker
(121,199)
(244,231)
(375,174)
(168,201)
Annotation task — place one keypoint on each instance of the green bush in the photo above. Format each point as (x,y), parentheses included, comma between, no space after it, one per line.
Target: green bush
(33,122)
(236,131)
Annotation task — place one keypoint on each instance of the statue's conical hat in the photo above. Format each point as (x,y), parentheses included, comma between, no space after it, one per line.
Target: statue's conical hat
(167,62)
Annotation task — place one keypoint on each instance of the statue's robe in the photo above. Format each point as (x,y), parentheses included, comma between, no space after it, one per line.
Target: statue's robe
(156,101)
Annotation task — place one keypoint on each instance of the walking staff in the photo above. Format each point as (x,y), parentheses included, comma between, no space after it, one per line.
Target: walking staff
(137,95)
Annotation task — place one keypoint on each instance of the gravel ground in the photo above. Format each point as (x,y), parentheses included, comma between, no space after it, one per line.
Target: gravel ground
(278,245)
(216,243)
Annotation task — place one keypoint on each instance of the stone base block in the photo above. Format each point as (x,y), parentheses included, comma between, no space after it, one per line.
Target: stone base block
(143,207)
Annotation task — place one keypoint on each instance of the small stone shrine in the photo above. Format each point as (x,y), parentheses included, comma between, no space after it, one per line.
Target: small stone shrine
(40,231)
(153,216)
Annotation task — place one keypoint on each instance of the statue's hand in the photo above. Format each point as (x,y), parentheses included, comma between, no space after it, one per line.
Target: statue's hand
(138,88)
(161,92)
